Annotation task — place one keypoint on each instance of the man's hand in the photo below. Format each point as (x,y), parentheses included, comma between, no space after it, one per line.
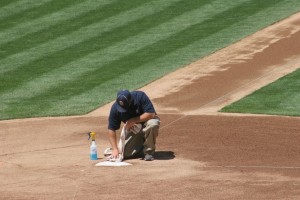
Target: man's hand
(130,123)
(115,154)
(144,117)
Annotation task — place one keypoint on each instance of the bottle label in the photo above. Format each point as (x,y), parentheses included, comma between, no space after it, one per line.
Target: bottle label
(93,151)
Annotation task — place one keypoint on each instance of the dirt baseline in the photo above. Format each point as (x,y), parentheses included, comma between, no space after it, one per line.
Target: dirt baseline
(201,154)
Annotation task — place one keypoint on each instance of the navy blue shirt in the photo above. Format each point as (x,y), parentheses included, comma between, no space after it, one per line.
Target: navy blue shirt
(140,104)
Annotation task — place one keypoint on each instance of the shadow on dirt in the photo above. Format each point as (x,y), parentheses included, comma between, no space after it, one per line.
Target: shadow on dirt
(164,155)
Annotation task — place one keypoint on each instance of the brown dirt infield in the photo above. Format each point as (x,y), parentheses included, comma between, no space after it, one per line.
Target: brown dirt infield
(201,154)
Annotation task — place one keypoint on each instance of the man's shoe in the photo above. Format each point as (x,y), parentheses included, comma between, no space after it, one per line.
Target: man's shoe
(148,157)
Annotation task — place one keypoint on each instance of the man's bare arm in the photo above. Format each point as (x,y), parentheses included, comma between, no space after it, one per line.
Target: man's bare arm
(113,141)
(142,118)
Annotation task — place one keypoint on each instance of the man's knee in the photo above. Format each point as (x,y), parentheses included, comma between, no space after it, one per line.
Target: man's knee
(152,124)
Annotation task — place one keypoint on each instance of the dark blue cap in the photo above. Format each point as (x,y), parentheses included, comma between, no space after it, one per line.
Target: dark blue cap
(123,100)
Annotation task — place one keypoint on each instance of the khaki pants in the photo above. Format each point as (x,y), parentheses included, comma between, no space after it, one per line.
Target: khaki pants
(143,142)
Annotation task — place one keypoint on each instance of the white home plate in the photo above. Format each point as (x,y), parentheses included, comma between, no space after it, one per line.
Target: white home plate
(112,164)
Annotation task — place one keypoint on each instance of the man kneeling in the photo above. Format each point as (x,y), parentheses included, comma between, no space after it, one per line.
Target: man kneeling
(133,108)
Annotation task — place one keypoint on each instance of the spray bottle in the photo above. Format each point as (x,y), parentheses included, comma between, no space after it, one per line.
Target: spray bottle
(93,148)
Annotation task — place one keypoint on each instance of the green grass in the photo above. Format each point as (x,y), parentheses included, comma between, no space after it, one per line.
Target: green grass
(70,57)
(279,98)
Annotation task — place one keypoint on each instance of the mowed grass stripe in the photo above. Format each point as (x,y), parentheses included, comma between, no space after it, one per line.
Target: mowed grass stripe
(101,41)
(57,59)
(44,22)
(95,60)
(149,53)
(36,12)
(4,3)
(68,26)
(36,54)
(19,6)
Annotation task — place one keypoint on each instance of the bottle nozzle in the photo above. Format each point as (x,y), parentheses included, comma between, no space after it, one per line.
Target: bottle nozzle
(92,135)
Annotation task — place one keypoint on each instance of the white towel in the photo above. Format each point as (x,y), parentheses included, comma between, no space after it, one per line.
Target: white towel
(122,142)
